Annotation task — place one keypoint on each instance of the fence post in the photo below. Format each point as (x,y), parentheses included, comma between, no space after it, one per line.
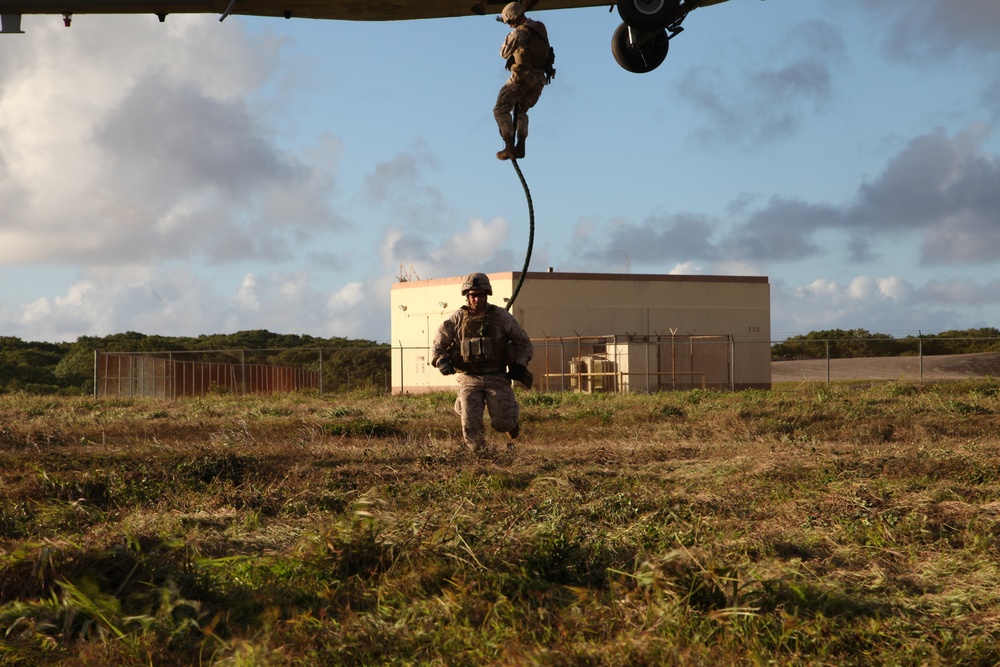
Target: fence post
(320,371)
(562,366)
(673,361)
(827,362)
(649,388)
(732,363)
(920,355)
(401,364)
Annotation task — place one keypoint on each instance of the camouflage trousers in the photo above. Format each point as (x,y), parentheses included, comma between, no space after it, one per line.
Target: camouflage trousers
(477,393)
(522,90)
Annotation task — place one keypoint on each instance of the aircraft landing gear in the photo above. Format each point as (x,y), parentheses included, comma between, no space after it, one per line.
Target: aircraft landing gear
(641,42)
(639,52)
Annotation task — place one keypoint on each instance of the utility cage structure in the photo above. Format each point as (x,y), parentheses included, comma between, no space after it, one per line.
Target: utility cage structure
(131,374)
(640,364)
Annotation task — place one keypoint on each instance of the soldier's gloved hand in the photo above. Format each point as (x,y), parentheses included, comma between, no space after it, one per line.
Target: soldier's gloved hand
(518,373)
(445,366)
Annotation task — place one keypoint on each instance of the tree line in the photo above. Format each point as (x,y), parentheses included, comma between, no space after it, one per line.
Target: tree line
(68,368)
(856,343)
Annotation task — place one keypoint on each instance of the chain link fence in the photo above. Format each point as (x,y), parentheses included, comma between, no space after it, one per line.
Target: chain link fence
(885,359)
(600,364)
(610,364)
(175,374)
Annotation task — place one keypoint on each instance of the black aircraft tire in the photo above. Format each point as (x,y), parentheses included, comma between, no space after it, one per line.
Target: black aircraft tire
(638,60)
(649,15)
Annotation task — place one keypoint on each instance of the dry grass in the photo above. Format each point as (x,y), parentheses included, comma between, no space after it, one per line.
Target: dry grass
(811,525)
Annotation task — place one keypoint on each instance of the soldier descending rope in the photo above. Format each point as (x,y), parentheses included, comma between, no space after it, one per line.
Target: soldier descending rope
(530,61)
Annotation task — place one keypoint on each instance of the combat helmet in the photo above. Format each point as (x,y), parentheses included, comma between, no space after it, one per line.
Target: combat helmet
(512,11)
(477,281)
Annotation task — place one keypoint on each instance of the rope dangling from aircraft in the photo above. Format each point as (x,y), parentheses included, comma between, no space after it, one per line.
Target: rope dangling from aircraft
(531,223)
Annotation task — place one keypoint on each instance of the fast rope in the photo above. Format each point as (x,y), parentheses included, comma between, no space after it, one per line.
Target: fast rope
(531,222)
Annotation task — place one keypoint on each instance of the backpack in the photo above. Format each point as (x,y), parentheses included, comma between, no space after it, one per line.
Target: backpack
(549,67)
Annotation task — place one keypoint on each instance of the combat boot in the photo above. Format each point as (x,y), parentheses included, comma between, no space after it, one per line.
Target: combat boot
(519,148)
(508,150)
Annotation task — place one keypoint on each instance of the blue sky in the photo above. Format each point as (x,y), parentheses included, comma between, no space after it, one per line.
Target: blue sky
(199,177)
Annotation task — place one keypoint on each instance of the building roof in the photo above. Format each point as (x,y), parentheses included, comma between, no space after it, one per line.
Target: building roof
(618,277)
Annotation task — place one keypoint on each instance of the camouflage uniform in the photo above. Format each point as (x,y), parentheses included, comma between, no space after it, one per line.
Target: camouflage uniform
(478,346)
(528,46)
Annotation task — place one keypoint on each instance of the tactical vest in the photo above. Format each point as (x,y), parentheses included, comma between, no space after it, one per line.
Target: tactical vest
(482,347)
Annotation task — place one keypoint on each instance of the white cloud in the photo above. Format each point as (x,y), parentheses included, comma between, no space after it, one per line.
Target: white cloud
(107,157)
(346,298)
(359,308)
(481,246)
(895,288)
(736,268)
(132,153)
(246,298)
(964,292)
(859,290)
(477,244)
(685,268)
(34,312)
(887,304)
(60,317)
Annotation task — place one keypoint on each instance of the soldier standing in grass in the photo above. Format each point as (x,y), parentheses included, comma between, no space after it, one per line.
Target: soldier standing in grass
(529,59)
(489,350)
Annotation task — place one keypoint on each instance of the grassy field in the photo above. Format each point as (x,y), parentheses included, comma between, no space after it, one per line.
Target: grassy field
(808,525)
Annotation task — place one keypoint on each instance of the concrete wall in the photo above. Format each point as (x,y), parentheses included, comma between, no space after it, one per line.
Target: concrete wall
(555,305)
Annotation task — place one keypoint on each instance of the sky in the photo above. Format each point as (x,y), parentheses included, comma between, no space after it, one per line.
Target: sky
(196,177)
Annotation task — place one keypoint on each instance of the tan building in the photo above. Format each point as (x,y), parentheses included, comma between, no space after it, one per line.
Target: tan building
(604,331)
